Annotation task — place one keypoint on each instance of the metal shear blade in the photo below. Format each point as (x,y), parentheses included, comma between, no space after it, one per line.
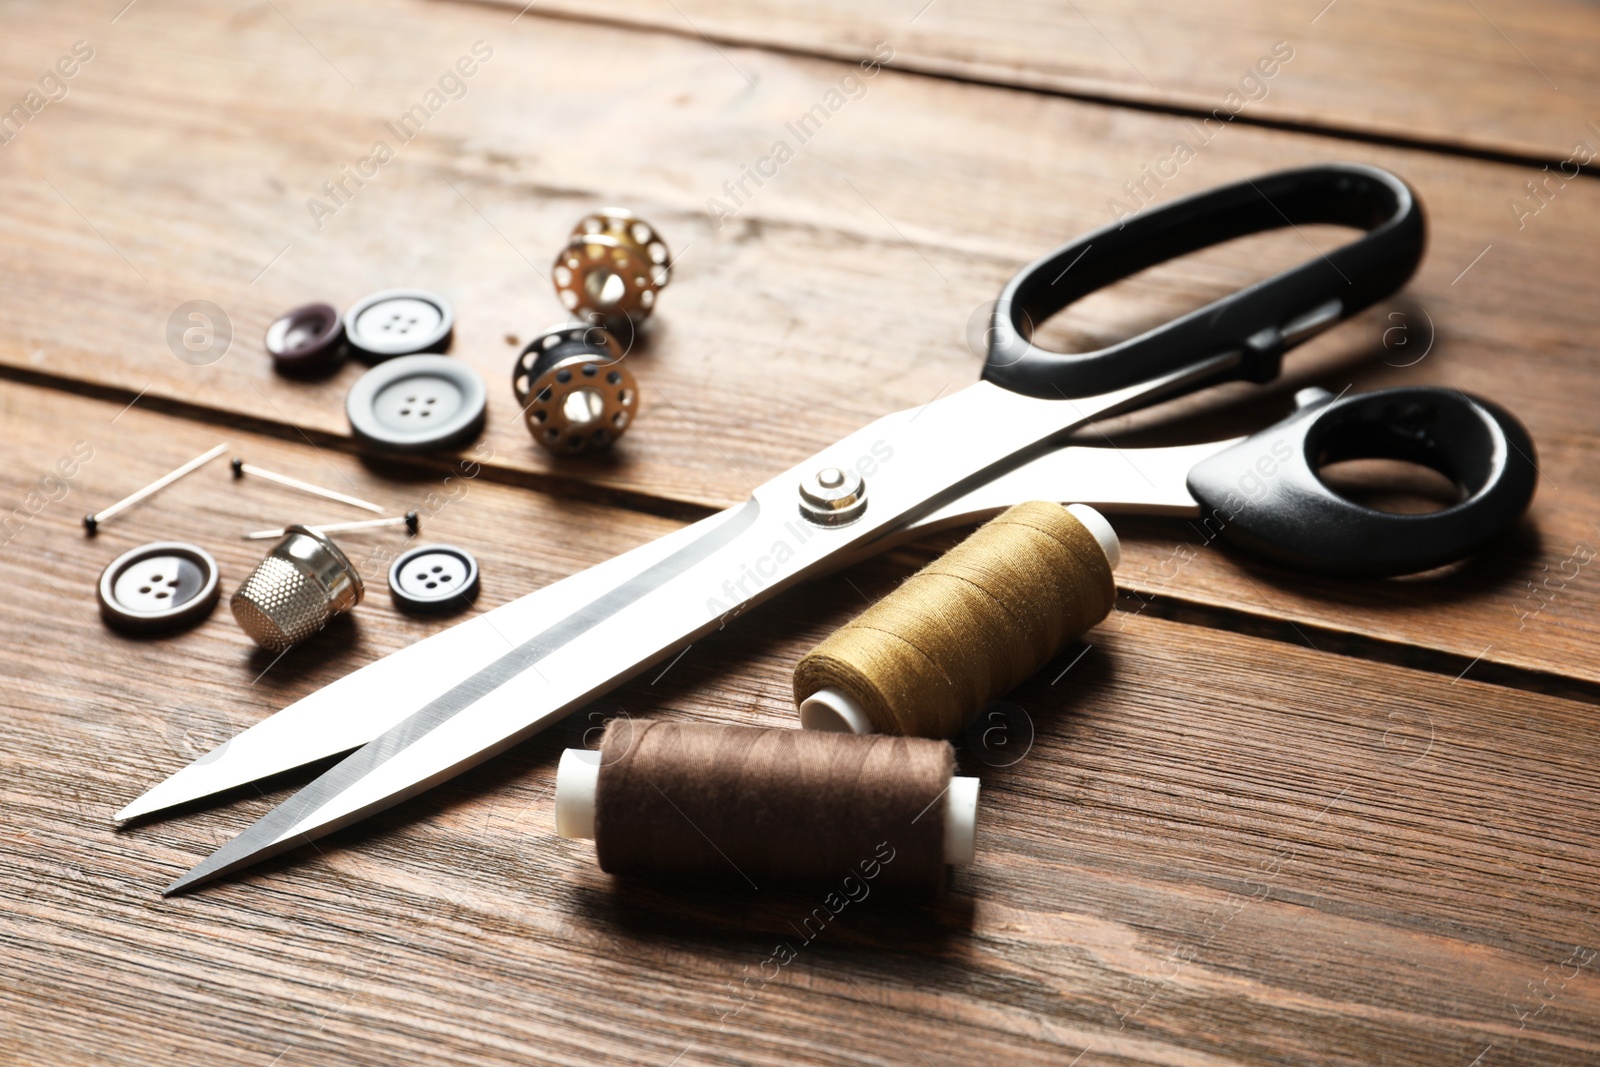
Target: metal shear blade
(348,713)
(447,703)
(654,608)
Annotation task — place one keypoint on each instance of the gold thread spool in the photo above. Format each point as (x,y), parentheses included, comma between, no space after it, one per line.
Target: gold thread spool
(968,627)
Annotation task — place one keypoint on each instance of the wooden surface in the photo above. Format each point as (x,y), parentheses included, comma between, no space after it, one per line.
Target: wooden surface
(1523,72)
(808,281)
(1266,819)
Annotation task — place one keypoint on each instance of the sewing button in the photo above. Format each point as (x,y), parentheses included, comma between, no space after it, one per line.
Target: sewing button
(165,585)
(306,340)
(417,404)
(434,579)
(400,322)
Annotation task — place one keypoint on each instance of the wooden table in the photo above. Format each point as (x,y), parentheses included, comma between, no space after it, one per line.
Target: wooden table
(1267,819)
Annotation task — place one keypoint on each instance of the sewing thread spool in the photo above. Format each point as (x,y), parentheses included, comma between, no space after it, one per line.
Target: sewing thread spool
(965,629)
(694,800)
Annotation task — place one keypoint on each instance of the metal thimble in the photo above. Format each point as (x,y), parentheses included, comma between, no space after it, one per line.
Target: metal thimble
(303,582)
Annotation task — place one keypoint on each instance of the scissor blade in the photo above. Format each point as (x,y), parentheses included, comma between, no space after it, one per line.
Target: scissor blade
(351,711)
(488,711)
(744,556)
(348,713)
(1144,481)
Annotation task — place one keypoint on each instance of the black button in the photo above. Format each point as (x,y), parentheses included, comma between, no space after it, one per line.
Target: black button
(417,404)
(307,340)
(434,579)
(399,322)
(165,585)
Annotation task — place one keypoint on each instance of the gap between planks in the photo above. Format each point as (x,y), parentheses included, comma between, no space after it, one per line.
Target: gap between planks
(1322,639)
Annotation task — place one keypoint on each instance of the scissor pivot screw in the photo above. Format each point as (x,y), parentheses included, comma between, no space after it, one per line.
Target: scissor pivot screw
(833,496)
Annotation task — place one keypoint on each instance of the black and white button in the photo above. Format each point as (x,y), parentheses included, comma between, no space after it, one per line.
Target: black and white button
(434,579)
(165,585)
(417,404)
(399,322)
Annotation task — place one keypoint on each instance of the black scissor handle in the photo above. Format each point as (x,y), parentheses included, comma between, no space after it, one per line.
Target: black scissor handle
(1264,493)
(1259,322)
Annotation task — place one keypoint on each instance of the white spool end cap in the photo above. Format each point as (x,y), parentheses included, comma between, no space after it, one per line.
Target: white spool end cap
(961,820)
(836,711)
(1096,524)
(577,780)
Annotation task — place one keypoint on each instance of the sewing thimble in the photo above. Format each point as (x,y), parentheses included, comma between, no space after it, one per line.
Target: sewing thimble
(612,268)
(303,582)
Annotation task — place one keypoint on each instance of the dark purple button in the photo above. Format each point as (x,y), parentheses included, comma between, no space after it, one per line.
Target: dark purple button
(306,340)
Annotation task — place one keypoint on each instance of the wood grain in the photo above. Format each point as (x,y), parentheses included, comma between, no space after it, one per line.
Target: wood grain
(843,291)
(1259,818)
(1523,72)
(1196,847)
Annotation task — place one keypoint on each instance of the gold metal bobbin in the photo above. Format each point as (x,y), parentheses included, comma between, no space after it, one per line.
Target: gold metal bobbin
(612,268)
(575,393)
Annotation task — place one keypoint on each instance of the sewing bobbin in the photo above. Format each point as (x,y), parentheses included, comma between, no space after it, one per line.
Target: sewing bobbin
(967,628)
(695,800)
(574,391)
(613,266)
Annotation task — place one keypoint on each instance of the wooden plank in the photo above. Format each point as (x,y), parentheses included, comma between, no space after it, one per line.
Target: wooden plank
(1497,78)
(842,290)
(1195,847)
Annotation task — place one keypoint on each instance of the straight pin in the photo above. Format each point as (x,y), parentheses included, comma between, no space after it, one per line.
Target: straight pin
(241,468)
(92,521)
(410,520)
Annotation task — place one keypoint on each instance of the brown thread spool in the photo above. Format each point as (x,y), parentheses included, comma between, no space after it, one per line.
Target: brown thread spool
(965,629)
(694,800)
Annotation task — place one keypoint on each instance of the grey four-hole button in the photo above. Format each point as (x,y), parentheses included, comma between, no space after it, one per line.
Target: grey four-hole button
(417,404)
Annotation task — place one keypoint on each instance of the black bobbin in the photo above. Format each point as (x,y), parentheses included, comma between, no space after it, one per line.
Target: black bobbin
(575,393)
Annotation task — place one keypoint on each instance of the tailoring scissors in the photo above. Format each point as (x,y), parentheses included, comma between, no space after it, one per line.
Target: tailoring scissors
(430,711)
